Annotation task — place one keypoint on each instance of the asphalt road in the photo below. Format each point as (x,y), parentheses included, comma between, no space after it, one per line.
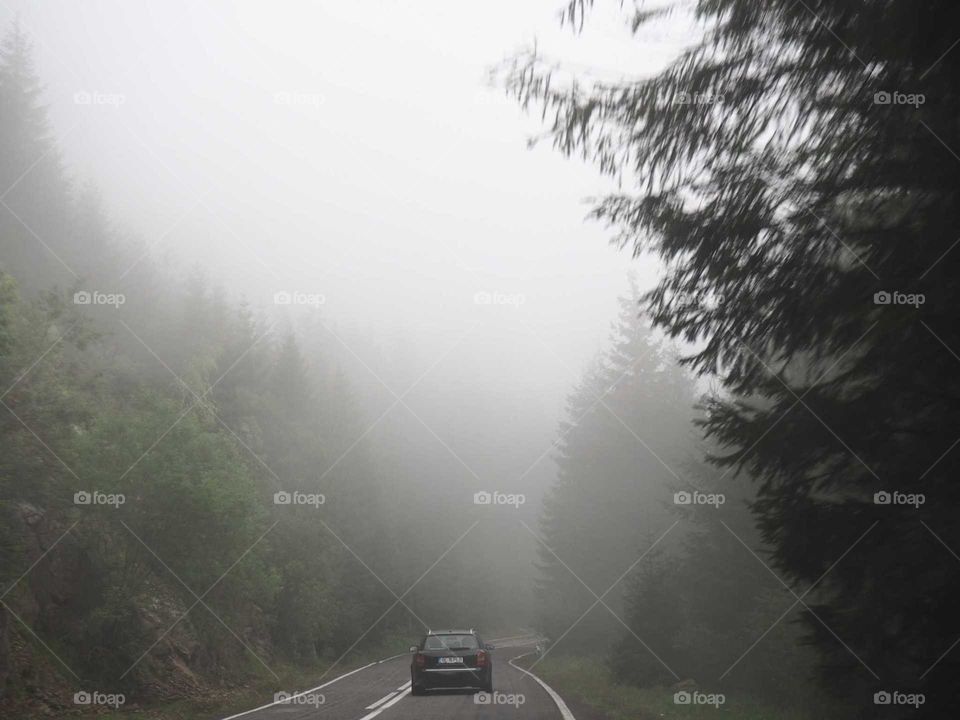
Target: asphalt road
(382,691)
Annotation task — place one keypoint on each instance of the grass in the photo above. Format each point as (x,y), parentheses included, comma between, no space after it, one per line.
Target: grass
(256,689)
(588,681)
(223,702)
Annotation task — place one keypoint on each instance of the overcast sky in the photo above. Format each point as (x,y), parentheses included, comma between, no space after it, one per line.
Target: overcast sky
(355,150)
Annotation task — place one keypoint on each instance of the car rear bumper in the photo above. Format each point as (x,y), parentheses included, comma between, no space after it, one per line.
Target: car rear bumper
(452,678)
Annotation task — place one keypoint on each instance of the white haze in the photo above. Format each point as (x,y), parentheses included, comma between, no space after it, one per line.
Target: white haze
(356,150)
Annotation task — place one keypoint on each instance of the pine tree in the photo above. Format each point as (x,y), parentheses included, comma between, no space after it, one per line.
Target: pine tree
(26,134)
(33,186)
(624,446)
(801,164)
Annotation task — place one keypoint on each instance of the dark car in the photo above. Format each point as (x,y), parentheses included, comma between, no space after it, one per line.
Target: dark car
(451,659)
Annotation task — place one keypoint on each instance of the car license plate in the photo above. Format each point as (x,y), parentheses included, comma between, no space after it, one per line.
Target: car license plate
(450,661)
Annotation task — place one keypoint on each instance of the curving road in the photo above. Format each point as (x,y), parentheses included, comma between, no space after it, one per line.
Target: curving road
(382,690)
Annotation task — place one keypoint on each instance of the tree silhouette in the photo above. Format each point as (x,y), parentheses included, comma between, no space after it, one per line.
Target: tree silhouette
(798,170)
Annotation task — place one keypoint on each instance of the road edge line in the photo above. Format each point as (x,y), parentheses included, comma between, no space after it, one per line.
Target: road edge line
(393,657)
(554,695)
(301,694)
(521,636)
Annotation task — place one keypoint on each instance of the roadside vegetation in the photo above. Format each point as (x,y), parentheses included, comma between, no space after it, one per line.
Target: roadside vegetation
(157,437)
(588,681)
(257,689)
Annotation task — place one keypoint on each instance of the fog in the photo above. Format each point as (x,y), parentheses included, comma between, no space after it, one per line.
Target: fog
(360,153)
(540,319)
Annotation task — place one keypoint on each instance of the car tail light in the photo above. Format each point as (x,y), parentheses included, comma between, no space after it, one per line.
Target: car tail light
(481,658)
(420,659)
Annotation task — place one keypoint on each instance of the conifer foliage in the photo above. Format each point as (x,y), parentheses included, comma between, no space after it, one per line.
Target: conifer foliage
(798,172)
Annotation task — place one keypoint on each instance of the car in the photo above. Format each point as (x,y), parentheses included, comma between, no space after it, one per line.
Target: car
(451,659)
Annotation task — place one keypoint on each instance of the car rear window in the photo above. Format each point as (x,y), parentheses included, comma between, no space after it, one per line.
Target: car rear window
(451,642)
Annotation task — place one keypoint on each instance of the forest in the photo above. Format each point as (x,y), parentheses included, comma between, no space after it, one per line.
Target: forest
(745,490)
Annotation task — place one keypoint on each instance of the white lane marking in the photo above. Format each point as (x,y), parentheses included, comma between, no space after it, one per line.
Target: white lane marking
(381,701)
(523,636)
(515,641)
(561,705)
(398,698)
(298,695)
(404,686)
(393,657)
